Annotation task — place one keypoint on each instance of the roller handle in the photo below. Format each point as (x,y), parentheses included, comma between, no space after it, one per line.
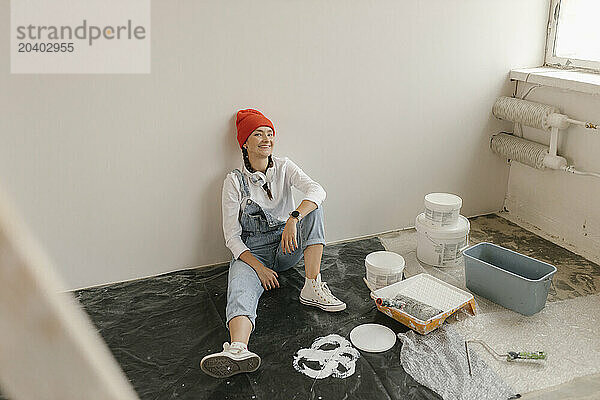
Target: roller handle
(526,355)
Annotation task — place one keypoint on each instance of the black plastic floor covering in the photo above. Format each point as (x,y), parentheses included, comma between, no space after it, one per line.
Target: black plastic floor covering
(160,328)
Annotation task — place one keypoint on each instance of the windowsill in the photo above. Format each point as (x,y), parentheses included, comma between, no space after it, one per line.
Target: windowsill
(585,82)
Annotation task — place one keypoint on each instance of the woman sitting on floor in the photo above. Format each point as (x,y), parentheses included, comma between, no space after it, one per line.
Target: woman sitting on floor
(266,235)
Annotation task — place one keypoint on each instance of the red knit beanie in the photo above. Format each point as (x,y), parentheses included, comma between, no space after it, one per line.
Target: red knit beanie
(247,121)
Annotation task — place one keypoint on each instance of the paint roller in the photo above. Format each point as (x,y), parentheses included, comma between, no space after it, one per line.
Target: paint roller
(508,356)
(410,306)
(535,115)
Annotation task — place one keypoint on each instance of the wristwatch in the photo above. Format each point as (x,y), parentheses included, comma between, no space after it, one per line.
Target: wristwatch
(296,214)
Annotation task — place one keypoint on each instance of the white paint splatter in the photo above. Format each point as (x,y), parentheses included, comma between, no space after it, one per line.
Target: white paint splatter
(333,354)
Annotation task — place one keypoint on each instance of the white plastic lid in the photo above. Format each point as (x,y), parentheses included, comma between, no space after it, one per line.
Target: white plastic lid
(443,202)
(373,338)
(385,262)
(447,232)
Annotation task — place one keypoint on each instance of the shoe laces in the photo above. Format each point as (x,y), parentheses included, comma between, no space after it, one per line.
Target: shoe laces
(326,290)
(232,348)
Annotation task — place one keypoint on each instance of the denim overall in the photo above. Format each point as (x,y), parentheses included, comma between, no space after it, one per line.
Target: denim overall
(261,232)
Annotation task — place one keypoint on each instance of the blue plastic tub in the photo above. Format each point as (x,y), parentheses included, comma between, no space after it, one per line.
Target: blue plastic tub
(515,281)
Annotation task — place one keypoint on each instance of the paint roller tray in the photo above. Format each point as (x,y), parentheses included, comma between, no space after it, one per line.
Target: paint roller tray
(429,291)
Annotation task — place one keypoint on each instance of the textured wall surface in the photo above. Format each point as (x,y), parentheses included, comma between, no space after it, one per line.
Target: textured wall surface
(381,102)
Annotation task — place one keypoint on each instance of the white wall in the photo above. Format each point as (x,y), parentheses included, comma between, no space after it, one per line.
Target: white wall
(564,206)
(380,101)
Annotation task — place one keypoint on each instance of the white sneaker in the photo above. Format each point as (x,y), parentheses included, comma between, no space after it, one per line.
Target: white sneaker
(234,359)
(316,293)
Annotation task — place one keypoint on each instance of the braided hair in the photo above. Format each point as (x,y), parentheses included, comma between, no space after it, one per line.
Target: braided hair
(249,168)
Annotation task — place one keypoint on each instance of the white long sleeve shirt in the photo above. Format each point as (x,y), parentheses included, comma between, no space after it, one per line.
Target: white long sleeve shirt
(282,176)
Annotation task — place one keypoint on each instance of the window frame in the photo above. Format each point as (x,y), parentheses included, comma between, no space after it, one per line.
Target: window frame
(551,60)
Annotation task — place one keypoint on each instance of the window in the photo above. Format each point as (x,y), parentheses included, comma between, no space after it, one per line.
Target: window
(573,35)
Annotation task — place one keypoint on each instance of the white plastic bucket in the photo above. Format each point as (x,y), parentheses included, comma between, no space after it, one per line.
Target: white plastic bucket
(384,268)
(441,247)
(442,209)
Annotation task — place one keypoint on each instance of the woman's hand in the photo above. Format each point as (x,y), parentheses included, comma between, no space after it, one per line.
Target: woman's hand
(288,237)
(267,277)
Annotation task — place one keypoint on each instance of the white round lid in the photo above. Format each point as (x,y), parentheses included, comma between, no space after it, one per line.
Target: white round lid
(443,201)
(373,338)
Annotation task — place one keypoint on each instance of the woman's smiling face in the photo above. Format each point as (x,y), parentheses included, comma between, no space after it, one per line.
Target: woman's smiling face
(260,142)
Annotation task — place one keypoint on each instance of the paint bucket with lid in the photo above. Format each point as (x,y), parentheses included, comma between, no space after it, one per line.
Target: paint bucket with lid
(441,247)
(384,268)
(442,209)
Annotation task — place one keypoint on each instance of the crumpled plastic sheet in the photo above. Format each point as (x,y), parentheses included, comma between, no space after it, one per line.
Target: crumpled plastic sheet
(566,330)
(439,361)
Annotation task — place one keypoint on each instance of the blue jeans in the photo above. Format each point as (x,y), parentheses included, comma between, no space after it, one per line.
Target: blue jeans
(244,288)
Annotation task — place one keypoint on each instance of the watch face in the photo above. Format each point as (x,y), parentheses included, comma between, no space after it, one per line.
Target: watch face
(295,214)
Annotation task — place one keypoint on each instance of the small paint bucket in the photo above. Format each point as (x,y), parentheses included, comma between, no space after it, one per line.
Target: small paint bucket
(442,209)
(384,268)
